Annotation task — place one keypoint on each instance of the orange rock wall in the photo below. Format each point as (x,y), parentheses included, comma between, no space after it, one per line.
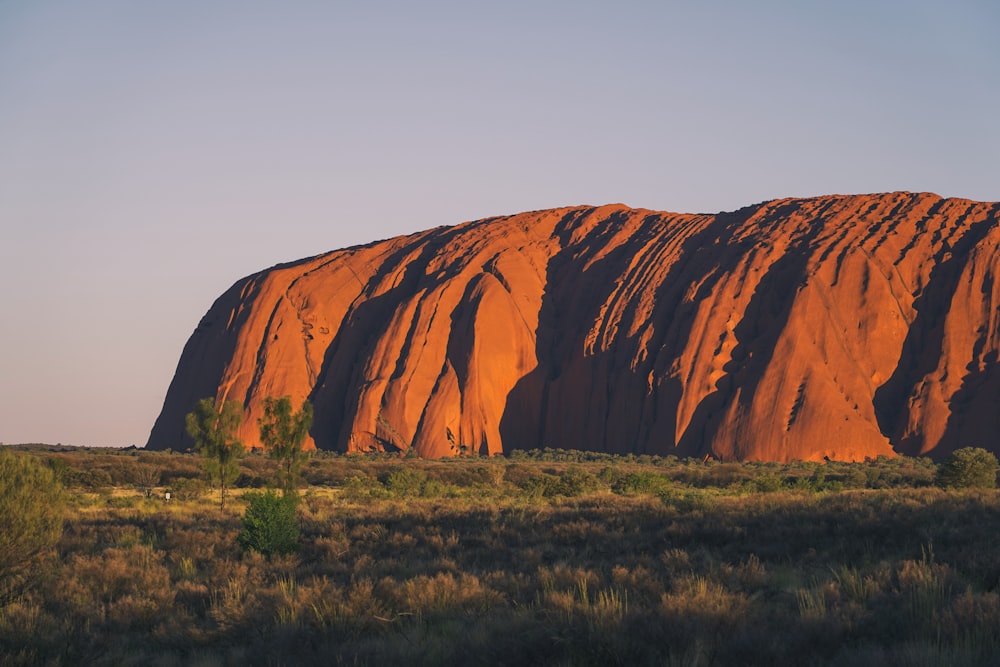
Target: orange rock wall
(842,327)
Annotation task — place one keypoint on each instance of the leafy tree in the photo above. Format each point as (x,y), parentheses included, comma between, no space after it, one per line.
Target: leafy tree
(31,509)
(214,433)
(969,467)
(283,432)
(269,524)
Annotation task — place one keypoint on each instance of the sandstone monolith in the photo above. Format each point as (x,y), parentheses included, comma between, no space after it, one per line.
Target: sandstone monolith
(843,327)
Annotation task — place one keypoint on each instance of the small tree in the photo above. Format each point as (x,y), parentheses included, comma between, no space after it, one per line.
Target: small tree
(31,509)
(283,433)
(969,467)
(144,476)
(214,433)
(269,524)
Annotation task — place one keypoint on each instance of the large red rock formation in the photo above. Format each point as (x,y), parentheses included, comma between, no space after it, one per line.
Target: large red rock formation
(843,327)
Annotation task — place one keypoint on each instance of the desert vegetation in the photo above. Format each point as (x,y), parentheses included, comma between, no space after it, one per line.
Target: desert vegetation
(214,432)
(545,557)
(283,432)
(30,510)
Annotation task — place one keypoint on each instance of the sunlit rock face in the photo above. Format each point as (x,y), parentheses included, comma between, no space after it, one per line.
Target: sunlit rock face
(843,327)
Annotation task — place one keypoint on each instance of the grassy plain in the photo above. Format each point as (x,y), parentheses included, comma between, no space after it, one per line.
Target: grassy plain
(558,558)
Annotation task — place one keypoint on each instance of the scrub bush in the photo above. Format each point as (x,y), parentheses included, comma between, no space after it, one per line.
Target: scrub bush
(968,468)
(31,509)
(270,525)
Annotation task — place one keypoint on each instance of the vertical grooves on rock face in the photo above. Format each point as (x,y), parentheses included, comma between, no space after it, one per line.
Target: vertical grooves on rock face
(258,369)
(834,326)
(662,263)
(757,335)
(977,390)
(920,226)
(845,224)
(609,316)
(923,348)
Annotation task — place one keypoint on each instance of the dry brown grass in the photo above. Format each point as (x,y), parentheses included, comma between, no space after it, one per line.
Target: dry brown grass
(464,565)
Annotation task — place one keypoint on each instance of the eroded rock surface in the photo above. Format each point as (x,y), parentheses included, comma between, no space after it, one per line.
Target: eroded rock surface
(842,327)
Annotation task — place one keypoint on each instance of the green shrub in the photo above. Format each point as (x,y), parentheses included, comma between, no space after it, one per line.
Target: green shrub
(270,525)
(96,481)
(571,482)
(188,488)
(766,483)
(639,483)
(361,487)
(969,467)
(31,509)
(577,482)
(688,500)
(818,482)
(542,485)
(405,482)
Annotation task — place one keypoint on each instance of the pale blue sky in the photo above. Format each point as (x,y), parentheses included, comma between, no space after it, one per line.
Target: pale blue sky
(152,153)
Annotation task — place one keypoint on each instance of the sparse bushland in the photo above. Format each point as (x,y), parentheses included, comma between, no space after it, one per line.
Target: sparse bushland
(213,429)
(283,432)
(969,468)
(615,561)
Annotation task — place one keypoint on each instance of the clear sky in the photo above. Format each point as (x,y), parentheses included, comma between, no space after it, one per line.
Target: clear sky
(152,153)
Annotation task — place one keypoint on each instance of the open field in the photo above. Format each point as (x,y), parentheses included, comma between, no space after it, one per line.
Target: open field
(563,558)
